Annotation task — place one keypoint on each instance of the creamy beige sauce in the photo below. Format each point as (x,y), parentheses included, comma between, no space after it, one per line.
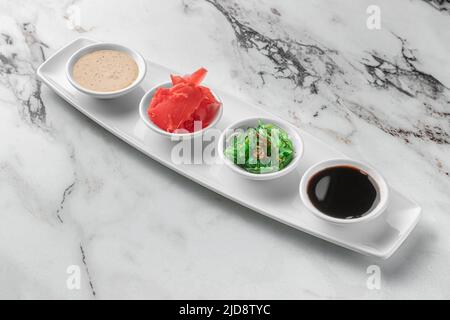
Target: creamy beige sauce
(105,71)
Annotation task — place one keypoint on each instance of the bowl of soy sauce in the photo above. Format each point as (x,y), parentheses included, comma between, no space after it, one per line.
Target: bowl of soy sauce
(344,191)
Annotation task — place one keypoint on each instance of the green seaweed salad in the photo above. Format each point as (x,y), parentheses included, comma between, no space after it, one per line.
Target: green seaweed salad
(263,149)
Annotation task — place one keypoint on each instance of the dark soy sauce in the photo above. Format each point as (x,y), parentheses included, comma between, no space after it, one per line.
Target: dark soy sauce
(343,192)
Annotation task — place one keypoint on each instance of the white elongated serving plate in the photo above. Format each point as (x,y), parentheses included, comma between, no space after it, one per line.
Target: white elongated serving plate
(278,199)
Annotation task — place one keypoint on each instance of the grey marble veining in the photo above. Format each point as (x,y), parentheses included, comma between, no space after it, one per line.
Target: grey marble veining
(71,194)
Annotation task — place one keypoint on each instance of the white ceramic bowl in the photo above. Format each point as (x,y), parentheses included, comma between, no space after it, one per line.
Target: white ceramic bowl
(253,122)
(106,46)
(381,185)
(145,102)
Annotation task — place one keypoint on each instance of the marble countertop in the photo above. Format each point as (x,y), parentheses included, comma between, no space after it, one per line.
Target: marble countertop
(76,201)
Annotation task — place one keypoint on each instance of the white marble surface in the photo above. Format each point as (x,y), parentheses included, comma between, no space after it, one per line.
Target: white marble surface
(72,194)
